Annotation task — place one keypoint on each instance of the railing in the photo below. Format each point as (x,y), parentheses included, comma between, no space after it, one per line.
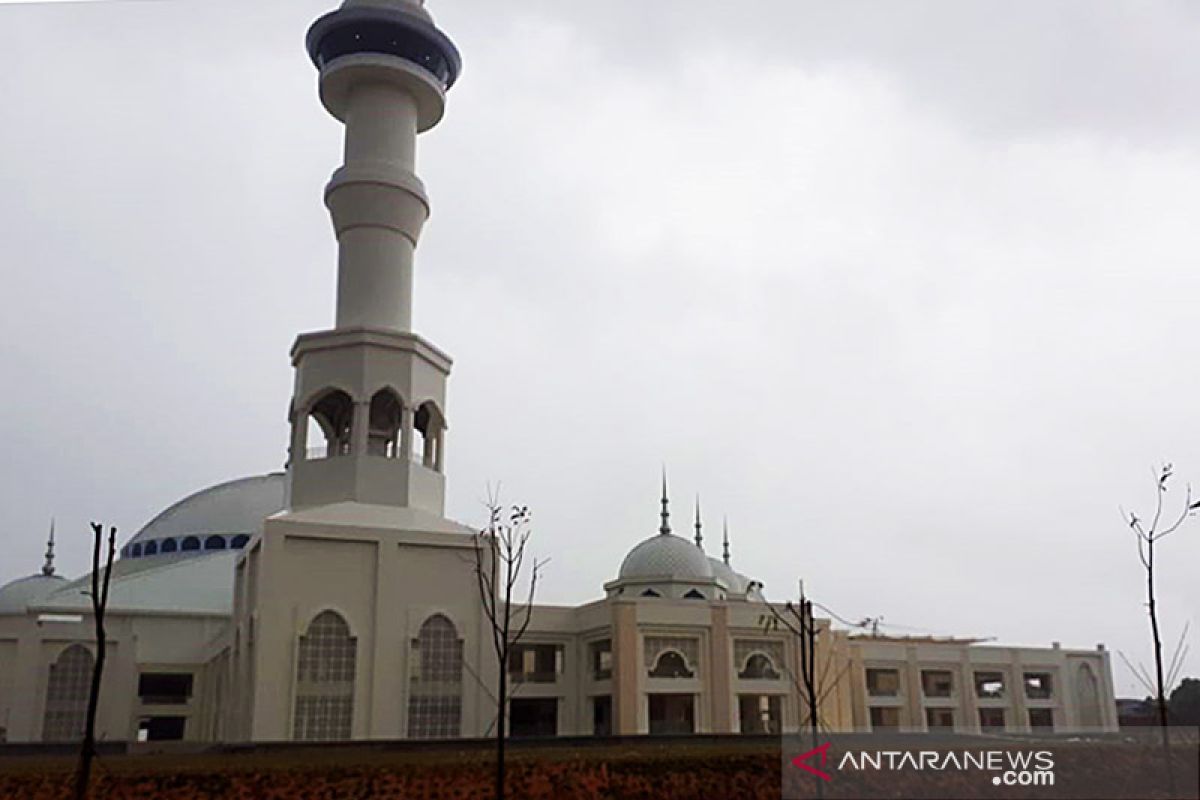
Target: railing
(164,699)
(542,676)
(322,453)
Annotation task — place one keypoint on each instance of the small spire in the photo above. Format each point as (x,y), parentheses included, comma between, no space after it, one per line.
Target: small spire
(48,567)
(699,535)
(665,527)
(725,554)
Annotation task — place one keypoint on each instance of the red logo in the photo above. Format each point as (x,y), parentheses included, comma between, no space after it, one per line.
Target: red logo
(823,752)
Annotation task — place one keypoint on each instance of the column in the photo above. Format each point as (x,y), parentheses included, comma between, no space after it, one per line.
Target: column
(406,432)
(626,678)
(359,432)
(966,682)
(1020,721)
(721,683)
(916,710)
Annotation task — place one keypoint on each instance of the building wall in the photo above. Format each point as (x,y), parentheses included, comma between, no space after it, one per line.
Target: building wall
(136,644)
(386,583)
(966,663)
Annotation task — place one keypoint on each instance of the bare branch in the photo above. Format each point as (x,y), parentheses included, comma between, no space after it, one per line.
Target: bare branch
(1158,497)
(1144,681)
(1142,554)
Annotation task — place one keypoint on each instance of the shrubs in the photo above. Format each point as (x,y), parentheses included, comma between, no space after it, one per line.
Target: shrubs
(695,776)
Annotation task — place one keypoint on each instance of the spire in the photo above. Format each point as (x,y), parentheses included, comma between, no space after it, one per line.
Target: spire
(699,535)
(48,567)
(665,527)
(725,554)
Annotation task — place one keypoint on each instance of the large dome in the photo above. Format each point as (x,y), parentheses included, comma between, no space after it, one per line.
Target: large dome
(220,517)
(16,596)
(666,556)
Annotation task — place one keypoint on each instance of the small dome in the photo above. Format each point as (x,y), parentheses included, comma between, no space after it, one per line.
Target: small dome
(666,555)
(734,582)
(16,596)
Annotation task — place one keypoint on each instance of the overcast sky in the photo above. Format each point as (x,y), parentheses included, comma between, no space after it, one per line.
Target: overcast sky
(907,290)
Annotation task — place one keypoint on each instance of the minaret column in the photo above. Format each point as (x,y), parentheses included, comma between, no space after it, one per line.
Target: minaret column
(384,72)
(378,207)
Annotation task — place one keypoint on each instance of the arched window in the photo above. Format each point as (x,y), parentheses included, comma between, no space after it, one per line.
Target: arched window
(169,546)
(191,543)
(671,665)
(428,436)
(239,541)
(650,593)
(334,415)
(151,549)
(325,672)
(759,667)
(136,550)
(214,542)
(383,433)
(67,695)
(694,594)
(435,688)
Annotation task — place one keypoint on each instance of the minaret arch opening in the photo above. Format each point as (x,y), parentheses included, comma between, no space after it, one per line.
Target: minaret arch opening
(429,426)
(332,414)
(385,424)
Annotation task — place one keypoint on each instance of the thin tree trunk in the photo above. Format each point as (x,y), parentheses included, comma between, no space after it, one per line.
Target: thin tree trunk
(1163,720)
(806,616)
(87,750)
(501,718)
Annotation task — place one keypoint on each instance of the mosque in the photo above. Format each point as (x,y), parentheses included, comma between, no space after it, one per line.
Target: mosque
(336,601)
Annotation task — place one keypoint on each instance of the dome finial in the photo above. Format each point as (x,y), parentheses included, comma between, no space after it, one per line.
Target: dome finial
(725,555)
(665,527)
(699,535)
(48,567)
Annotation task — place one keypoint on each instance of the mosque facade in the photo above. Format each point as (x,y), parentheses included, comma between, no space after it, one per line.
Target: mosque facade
(336,601)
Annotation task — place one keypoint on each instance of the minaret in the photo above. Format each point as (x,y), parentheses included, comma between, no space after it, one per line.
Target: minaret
(48,567)
(725,544)
(664,527)
(699,535)
(375,390)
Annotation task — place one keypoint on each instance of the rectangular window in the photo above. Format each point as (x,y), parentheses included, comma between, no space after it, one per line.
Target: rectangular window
(937,682)
(760,713)
(535,663)
(672,713)
(1039,685)
(991,719)
(165,688)
(602,716)
(939,720)
(989,684)
(885,718)
(533,716)
(883,682)
(600,657)
(1041,719)
(161,729)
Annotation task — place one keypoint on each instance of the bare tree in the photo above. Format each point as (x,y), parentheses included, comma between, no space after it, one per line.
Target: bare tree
(797,619)
(500,553)
(1149,535)
(99,594)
